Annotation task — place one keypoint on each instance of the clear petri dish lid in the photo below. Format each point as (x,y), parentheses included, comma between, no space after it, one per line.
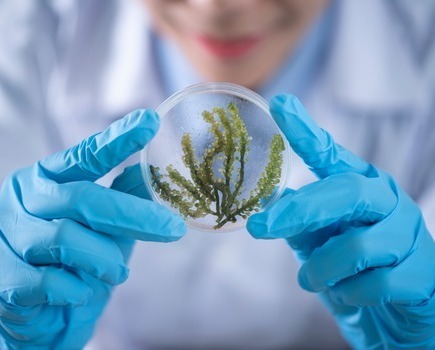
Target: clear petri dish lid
(217,158)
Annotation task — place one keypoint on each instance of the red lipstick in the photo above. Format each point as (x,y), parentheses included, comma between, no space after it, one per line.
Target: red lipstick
(227,48)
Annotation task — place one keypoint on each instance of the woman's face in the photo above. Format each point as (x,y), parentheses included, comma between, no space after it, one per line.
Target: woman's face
(239,41)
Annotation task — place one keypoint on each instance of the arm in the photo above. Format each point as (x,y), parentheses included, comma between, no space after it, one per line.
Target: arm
(362,241)
(65,241)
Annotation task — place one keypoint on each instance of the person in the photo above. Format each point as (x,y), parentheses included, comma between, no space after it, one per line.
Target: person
(357,233)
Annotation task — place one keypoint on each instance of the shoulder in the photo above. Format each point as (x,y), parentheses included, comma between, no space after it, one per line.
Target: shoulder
(27,18)
(381,52)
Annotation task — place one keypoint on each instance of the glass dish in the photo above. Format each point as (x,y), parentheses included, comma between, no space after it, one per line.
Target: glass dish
(223,193)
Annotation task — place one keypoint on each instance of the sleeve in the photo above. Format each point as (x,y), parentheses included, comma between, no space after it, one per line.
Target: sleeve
(423,169)
(27,57)
(426,199)
(428,207)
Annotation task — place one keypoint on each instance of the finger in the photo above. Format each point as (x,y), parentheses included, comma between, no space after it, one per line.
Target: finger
(409,283)
(336,200)
(97,155)
(288,191)
(353,252)
(313,144)
(16,322)
(19,322)
(25,285)
(131,182)
(68,243)
(357,249)
(103,210)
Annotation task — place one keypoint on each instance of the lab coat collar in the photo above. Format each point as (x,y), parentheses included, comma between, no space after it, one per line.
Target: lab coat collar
(132,76)
(176,72)
(301,68)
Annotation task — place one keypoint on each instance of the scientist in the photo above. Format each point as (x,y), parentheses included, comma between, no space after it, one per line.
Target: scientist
(358,236)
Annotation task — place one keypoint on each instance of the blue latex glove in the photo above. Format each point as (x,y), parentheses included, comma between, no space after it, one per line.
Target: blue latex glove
(362,241)
(65,241)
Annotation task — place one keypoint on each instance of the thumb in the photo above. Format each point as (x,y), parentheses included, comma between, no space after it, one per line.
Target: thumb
(131,182)
(313,144)
(98,154)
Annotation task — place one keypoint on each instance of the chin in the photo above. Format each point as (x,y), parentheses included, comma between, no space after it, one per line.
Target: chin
(248,79)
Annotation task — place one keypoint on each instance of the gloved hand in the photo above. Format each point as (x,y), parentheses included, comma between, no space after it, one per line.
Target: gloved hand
(65,241)
(362,241)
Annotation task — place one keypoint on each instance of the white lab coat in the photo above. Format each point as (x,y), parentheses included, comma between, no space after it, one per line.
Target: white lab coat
(69,68)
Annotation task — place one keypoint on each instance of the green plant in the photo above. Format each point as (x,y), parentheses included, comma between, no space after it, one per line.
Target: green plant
(216,192)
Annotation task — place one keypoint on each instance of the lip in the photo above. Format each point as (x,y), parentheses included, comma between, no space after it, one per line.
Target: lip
(227,48)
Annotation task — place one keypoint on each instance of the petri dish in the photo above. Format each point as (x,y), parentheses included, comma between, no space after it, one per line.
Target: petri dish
(218,150)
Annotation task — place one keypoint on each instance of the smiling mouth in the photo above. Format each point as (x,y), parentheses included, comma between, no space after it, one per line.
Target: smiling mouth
(227,48)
